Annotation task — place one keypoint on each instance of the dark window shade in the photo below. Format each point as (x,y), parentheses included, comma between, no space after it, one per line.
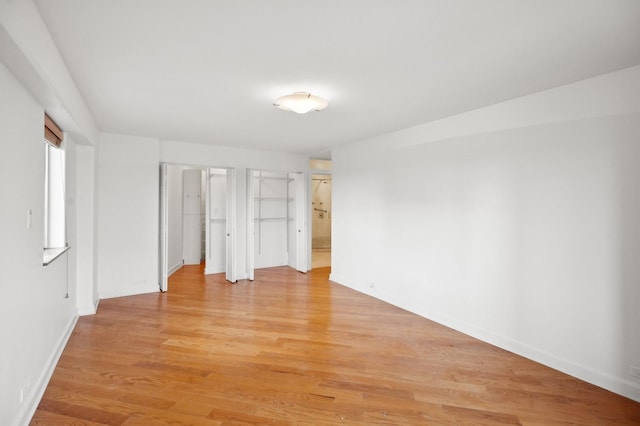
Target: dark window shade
(52,132)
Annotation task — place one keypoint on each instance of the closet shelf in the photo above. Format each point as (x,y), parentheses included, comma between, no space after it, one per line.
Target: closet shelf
(274,199)
(217,220)
(273,219)
(273,178)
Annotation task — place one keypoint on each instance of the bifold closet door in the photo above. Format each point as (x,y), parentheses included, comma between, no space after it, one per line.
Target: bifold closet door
(216,220)
(230,248)
(163,269)
(300,220)
(191,220)
(221,223)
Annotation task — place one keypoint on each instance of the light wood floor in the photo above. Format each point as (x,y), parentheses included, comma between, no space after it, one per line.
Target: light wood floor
(320,258)
(294,349)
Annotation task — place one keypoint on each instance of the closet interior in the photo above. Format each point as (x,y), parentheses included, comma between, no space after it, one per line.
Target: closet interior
(278,219)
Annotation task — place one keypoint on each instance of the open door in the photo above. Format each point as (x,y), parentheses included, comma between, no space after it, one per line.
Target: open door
(300,220)
(251,259)
(163,254)
(230,248)
(220,219)
(215,221)
(192,232)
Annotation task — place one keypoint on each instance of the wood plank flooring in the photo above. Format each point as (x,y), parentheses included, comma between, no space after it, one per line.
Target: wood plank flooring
(296,349)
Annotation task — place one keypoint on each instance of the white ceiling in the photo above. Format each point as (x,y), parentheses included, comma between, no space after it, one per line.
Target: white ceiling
(207,71)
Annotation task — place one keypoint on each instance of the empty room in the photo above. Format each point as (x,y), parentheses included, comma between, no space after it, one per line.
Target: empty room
(302,212)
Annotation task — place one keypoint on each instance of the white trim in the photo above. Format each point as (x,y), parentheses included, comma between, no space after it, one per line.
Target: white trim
(175,267)
(241,276)
(129,291)
(88,309)
(31,404)
(614,384)
(215,269)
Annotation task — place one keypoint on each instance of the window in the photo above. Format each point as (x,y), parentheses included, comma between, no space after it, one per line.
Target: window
(55,226)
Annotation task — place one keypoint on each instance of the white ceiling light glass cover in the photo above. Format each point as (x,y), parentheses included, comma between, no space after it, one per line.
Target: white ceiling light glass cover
(301,102)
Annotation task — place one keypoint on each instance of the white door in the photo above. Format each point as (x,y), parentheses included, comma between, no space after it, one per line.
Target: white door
(299,184)
(163,245)
(231,226)
(216,221)
(191,216)
(220,223)
(250,225)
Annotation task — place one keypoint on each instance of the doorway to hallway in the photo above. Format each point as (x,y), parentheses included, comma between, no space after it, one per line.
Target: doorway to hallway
(321,220)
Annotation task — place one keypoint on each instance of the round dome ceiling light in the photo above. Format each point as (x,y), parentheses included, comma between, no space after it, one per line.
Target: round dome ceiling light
(301,102)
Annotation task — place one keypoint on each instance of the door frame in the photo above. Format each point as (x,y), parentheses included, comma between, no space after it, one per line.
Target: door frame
(163,247)
(229,175)
(310,210)
(303,246)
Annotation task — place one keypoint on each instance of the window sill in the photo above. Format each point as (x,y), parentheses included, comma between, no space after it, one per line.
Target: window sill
(51,254)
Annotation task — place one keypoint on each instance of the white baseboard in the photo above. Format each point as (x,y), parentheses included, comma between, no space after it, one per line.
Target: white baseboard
(175,267)
(88,309)
(614,384)
(129,291)
(215,269)
(31,404)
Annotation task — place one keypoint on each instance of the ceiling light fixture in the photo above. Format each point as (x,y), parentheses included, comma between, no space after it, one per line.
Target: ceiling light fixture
(301,102)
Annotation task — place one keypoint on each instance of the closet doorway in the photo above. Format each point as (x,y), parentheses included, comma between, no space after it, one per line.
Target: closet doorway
(197,220)
(276,220)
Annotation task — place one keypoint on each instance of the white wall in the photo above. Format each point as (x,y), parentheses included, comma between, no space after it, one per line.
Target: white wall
(517,224)
(28,51)
(128,191)
(35,315)
(84,250)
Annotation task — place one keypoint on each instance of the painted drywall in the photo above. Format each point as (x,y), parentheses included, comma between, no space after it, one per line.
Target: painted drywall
(35,314)
(85,202)
(128,197)
(29,52)
(516,224)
